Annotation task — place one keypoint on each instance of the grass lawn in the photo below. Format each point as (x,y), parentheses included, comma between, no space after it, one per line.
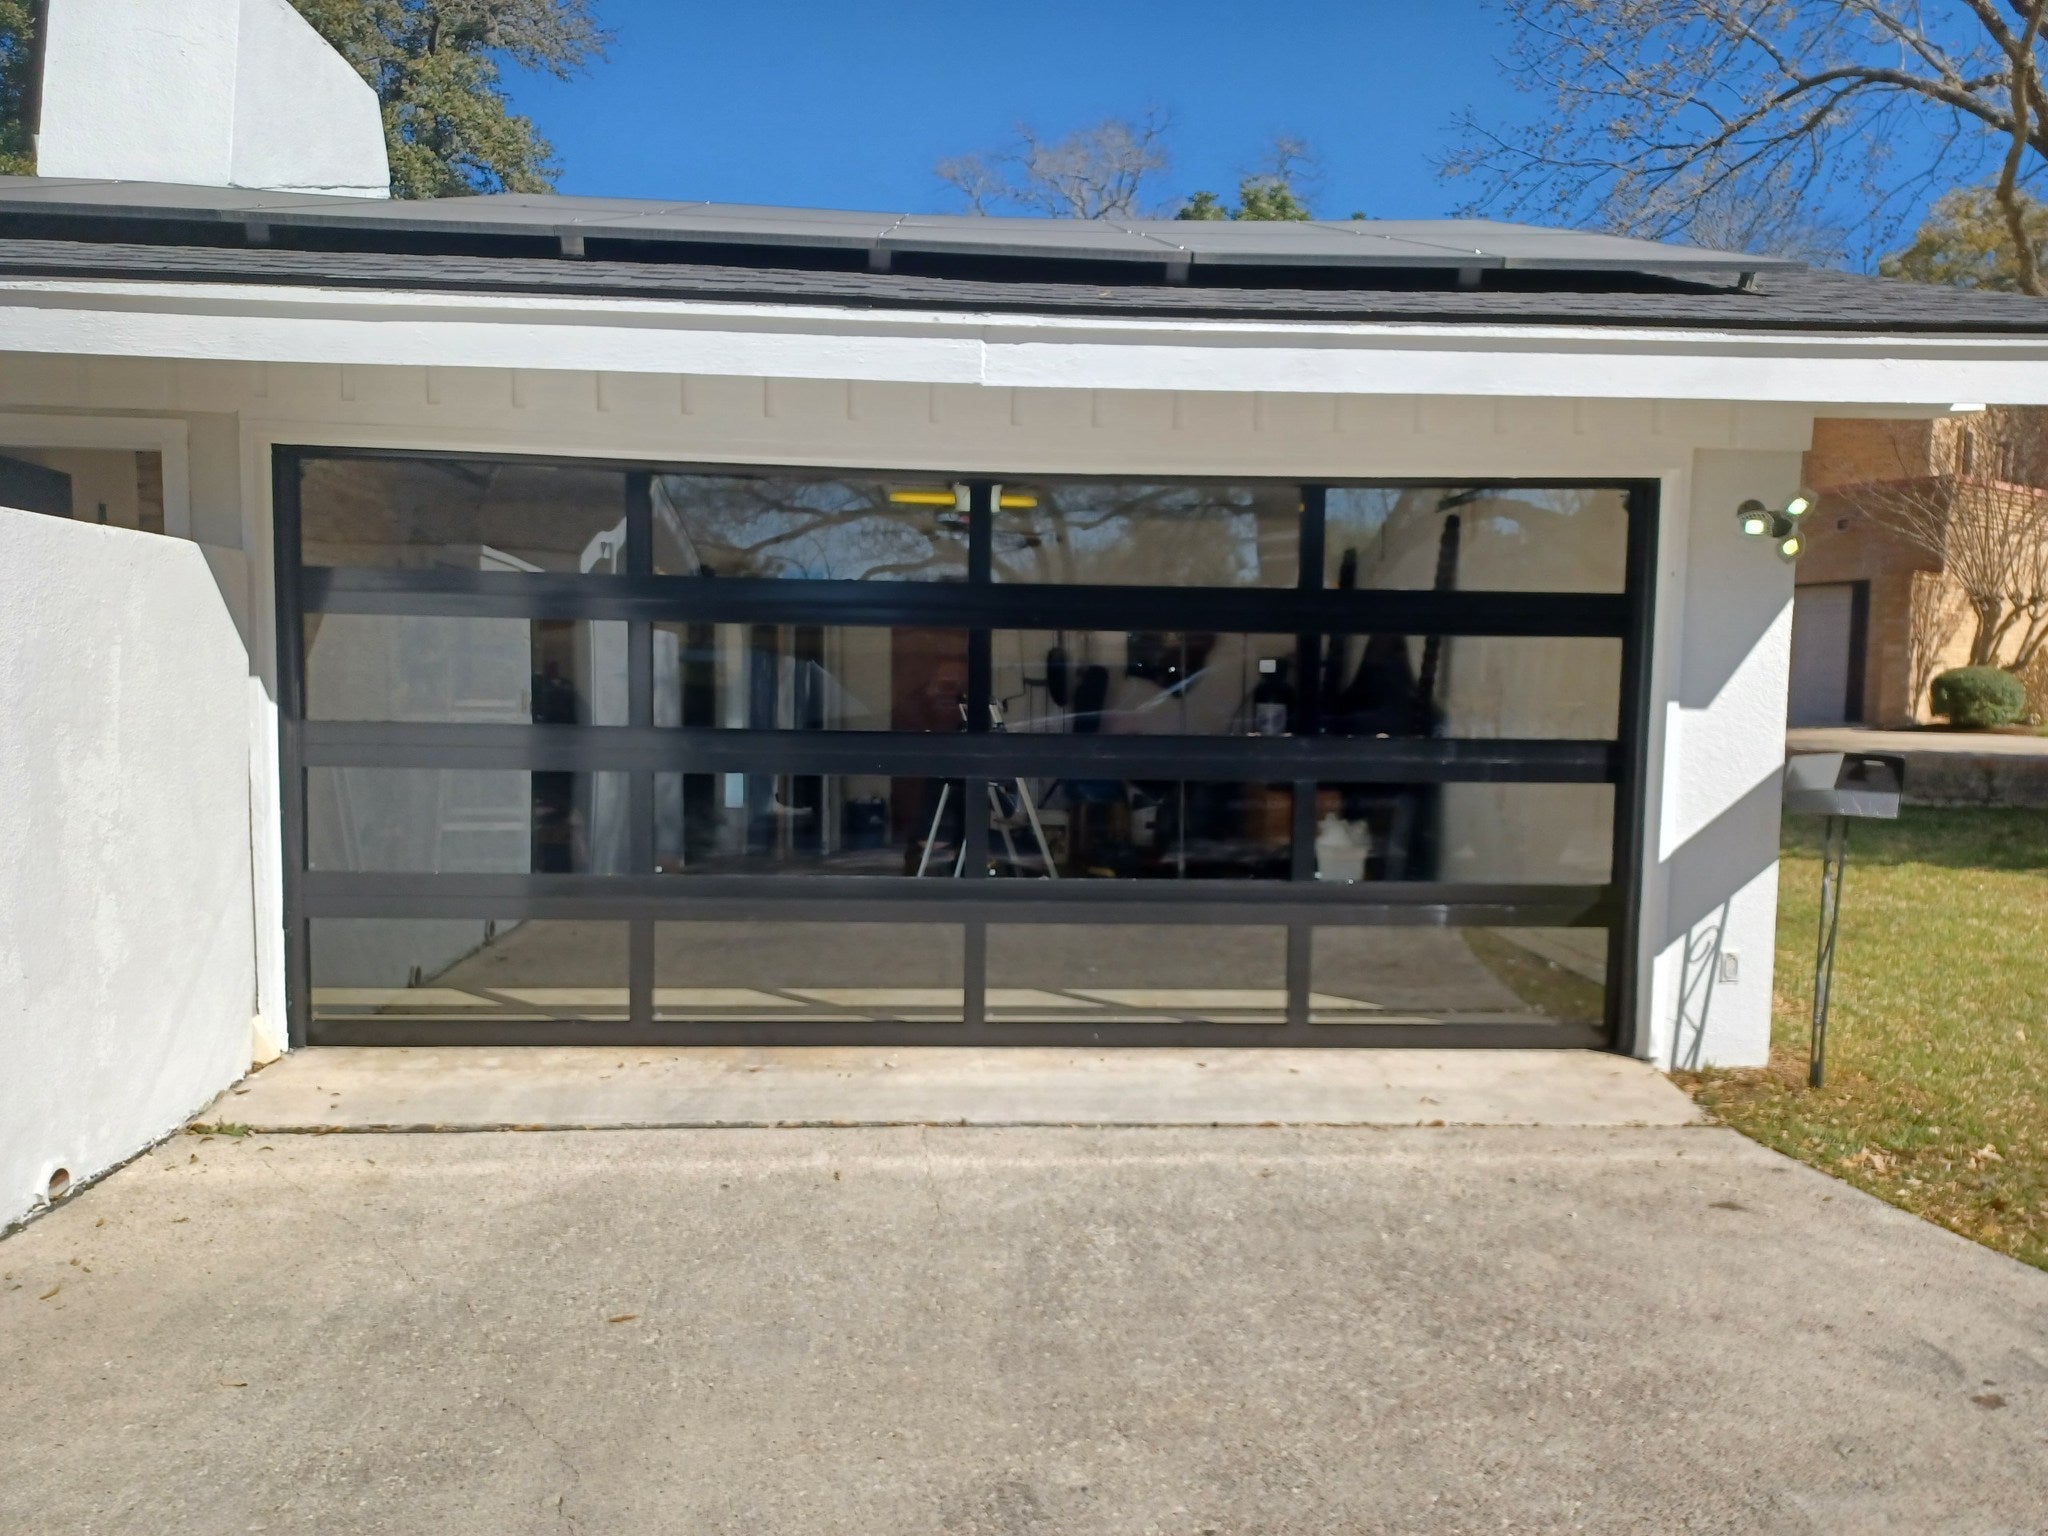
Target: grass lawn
(1937,1093)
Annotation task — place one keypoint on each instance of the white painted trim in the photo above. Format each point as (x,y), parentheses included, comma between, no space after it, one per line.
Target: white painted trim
(659,442)
(293,324)
(146,434)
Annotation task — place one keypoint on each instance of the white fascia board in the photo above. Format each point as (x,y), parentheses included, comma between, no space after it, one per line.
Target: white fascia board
(314,325)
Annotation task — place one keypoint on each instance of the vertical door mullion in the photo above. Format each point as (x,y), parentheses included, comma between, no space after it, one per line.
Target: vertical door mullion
(640,783)
(974,804)
(1630,791)
(288,608)
(1308,721)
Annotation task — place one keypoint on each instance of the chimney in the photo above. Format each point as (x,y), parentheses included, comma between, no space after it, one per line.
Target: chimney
(213,93)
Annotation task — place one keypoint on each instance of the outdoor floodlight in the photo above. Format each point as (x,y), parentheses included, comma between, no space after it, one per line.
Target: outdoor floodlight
(1781,525)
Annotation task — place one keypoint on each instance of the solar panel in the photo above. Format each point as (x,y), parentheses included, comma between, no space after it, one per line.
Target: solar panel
(1469,246)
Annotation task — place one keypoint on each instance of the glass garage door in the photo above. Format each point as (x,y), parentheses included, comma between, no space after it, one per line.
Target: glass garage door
(583,752)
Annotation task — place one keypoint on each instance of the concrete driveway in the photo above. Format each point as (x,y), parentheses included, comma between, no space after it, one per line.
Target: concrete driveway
(1010,1330)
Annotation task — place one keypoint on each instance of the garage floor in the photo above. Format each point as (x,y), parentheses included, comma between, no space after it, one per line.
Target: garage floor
(987,1330)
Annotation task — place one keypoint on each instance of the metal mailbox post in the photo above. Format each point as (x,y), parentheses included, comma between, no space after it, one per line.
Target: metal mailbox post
(1837,785)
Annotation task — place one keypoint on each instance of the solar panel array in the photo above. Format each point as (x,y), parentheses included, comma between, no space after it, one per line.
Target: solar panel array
(1468,246)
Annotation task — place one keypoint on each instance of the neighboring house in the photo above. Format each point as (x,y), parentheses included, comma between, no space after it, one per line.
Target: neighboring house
(1878,615)
(588,619)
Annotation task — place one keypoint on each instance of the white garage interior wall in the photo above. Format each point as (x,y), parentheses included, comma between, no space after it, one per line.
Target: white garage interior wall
(127,930)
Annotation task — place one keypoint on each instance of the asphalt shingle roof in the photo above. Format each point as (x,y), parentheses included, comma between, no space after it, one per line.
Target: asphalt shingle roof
(1788,300)
(523,245)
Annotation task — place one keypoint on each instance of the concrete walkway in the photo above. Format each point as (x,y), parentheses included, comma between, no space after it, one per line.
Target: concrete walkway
(999,1331)
(338,1088)
(1854,738)
(1958,768)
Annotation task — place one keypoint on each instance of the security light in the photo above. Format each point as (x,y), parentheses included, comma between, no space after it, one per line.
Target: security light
(1757,521)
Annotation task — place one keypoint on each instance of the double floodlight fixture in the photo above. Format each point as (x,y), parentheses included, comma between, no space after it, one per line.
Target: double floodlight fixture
(1780,524)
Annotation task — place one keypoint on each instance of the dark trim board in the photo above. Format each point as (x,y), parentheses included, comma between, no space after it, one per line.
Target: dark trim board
(1295,903)
(515,1032)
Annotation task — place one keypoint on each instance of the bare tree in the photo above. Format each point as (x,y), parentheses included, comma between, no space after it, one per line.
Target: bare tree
(1983,515)
(1094,173)
(1655,109)
(1934,612)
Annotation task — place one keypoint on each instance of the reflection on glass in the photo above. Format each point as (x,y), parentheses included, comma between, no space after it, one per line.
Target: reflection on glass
(116,487)
(806,824)
(1479,539)
(1140,829)
(1064,828)
(1145,682)
(418,667)
(1472,686)
(463,514)
(765,972)
(790,526)
(468,821)
(809,677)
(485,971)
(1509,834)
(1105,532)
(1369,975)
(1061,973)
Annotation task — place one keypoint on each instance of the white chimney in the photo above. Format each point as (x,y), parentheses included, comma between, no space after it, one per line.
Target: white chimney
(214,93)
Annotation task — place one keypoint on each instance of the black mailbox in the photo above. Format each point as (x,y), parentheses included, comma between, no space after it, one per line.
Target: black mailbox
(1837,785)
(1845,784)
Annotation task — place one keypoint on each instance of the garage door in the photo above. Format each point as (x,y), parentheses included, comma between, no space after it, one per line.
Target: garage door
(1827,644)
(582,752)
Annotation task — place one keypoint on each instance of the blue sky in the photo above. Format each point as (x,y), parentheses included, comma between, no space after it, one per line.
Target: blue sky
(837,104)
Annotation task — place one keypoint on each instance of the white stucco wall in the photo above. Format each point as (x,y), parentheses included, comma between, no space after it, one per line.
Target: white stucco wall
(221,93)
(1718,746)
(127,935)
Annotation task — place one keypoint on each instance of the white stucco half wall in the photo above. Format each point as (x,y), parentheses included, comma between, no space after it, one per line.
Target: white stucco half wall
(127,958)
(217,93)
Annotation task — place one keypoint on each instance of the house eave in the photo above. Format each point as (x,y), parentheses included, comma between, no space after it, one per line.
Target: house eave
(1886,372)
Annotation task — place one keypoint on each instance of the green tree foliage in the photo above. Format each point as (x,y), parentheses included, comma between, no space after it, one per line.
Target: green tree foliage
(1258,197)
(1273,191)
(1967,242)
(436,67)
(16,62)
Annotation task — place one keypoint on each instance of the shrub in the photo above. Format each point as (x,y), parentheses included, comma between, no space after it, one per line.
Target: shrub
(1977,698)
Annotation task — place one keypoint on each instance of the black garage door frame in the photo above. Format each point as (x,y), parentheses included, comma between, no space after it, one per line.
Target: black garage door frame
(978,606)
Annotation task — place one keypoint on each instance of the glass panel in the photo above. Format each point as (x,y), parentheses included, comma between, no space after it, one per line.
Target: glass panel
(467,821)
(809,972)
(809,677)
(805,824)
(1097,532)
(467,969)
(1114,973)
(1140,829)
(119,487)
(377,666)
(1458,975)
(468,515)
(1481,539)
(1145,682)
(1471,686)
(795,527)
(1506,834)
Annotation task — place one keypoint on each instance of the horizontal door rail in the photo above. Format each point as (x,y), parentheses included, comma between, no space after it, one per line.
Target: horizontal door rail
(740,600)
(1453,1031)
(1004,754)
(841,898)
